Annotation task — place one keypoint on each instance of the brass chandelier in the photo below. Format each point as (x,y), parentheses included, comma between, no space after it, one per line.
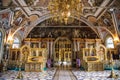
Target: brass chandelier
(62,10)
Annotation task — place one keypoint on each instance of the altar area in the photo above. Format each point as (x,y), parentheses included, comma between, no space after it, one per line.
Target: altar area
(40,53)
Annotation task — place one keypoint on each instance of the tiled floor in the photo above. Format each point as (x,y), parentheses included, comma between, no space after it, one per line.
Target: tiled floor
(61,74)
(47,75)
(93,75)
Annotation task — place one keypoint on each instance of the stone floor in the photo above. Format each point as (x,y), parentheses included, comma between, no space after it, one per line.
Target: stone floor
(12,75)
(61,74)
(93,75)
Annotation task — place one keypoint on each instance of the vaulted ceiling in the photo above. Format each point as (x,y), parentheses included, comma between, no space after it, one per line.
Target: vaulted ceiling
(28,14)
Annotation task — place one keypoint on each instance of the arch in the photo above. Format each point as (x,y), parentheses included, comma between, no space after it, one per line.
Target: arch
(2,43)
(99,51)
(16,42)
(63,53)
(109,32)
(47,16)
(62,38)
(109,42)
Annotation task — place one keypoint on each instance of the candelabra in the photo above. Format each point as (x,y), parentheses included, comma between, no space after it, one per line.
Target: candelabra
(20,76)
(5,61)
(113,75)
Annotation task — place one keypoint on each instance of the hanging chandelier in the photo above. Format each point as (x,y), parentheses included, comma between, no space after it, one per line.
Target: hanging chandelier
(62,10)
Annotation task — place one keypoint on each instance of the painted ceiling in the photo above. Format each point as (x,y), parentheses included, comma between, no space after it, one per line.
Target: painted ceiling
(26,15)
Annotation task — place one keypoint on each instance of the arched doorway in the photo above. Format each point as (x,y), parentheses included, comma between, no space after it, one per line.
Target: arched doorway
(62,52)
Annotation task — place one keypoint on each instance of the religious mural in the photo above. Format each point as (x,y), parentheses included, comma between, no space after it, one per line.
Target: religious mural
(70,32)
(117,14)
(5,18)
(90,4)
(106,22)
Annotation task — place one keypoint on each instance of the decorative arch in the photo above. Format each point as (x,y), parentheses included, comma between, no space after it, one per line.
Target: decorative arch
(62,38)
(43,18)
(60,53)
(47,16)
(104,51)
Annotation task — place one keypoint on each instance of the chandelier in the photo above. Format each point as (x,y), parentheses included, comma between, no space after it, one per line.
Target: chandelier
(64,9)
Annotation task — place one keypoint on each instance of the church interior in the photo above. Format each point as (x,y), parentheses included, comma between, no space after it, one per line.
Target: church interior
(59,39)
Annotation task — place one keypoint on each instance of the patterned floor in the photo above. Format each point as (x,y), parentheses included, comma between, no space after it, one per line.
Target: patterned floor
(99,75)
(12,75)
(61,74)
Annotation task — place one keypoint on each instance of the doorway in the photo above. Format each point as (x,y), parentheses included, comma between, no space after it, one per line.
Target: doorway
(62,52)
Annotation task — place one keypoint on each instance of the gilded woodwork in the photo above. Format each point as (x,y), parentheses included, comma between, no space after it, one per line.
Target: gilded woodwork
(63,51)
(94,57)
(14,57)
(32,59)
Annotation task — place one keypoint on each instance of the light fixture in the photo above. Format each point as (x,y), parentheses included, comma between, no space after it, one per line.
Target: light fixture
(116,38)
(62,10)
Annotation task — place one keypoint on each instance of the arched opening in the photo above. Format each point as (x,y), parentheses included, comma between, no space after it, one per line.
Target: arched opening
(109,42)
(62,52)
(16,43)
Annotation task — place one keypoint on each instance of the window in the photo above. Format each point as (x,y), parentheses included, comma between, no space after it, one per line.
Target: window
(109,42)
(16,43)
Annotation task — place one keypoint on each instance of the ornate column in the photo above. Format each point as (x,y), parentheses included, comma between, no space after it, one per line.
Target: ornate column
(48,49)
(78,46)
(40,44)
(51,48)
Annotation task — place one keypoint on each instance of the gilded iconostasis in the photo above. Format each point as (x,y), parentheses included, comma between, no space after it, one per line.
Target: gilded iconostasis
(99,19)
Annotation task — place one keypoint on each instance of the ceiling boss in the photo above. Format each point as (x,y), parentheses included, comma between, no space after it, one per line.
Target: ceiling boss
(62,10)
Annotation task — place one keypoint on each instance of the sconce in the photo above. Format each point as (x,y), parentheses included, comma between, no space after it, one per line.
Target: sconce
(9,40)
(116,39)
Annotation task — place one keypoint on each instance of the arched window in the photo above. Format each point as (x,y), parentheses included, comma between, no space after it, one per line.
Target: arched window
(109,42)
(16,43)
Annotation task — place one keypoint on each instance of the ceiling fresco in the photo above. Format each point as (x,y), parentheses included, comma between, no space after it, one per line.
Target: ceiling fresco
(39,7)
(106,21)
(90,6)
(29,12)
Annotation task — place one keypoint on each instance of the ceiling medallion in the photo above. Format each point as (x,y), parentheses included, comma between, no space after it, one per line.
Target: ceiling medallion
(62,10)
